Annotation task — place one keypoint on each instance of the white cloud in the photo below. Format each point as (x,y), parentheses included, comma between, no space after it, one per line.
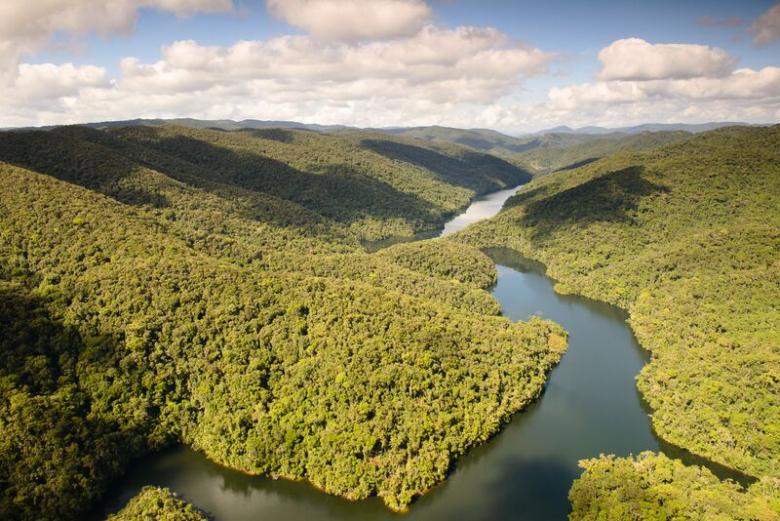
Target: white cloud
(636,59)
(49,81)
(388,82)
(472,64)
(353,19)
(741,84)
(744,95)
(767,27)
(466,76)
(27,25)
(664,83)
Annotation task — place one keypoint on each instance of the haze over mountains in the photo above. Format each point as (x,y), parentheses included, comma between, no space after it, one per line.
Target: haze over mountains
(540,152)
(433,130)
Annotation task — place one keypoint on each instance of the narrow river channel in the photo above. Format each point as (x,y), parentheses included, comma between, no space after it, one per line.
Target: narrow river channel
(590,406)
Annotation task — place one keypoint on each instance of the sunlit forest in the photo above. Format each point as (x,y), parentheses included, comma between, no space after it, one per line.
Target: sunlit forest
(389,260)
(158,503)
(169,285)
(174,285)
(685,237)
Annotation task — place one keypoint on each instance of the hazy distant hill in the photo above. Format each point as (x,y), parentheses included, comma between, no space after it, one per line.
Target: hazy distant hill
(223,124)
(482,139)
(547,152)
(494,142)
(539,153)
(567,151)
(648,127)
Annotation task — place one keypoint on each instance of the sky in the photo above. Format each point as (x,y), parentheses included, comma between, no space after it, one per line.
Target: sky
(514,66)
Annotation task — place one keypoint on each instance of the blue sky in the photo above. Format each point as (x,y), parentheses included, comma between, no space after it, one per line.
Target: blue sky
(570,34)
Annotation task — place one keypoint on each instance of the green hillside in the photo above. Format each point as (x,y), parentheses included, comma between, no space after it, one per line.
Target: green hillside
(356,182)
(652,486)
(154,503)
(481,139)
(566,152)
(686,238)
(165,285)
(548,152)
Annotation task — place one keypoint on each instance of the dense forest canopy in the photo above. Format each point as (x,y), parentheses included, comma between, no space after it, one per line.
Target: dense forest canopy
(652,486)
(550,151)
(685,236)
(160,504)
(168,284)
(371,185)
(567,152)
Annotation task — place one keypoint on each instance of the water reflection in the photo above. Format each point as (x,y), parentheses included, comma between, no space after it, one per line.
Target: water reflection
(481,208)
(590,406)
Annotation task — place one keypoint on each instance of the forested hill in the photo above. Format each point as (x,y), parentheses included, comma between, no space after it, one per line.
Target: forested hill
(172,285)
(546,152)
(569,151)
(687,238)
(372,185)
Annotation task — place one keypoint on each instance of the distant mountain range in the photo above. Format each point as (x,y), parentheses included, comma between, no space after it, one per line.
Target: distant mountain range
(647,127)
(222,124)
(475,137)
(541,152)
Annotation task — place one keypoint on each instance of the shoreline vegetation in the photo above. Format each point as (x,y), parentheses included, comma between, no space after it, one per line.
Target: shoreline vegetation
(161,285)
(174,285)
(684,237)
(155,503)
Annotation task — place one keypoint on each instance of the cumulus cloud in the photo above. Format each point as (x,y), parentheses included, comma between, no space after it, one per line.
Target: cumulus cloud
(767,28)
(464,76)
(744,95)
(465,64)
(622,97)
(636,59)
(353,19)
(27,25)
(385,82)
(741,84)
(48,81)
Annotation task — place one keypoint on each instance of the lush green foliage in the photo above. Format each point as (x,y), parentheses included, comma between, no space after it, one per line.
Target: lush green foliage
(157,504)
(154,294)
(567,154)
(653,486)
(686,238)
(358,182)
(545,153)
(480,139)
(444,259)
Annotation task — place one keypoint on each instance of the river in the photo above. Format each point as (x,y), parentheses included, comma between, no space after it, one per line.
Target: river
(590,406)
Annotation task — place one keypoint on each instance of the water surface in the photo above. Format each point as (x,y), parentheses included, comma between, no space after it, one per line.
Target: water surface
(590,406)
(482,207)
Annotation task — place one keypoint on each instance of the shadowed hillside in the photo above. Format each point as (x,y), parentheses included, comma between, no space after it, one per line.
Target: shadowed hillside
(168,285)
(571,151)
(685,237)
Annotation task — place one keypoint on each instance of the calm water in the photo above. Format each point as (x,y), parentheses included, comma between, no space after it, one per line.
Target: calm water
(480,208)
(590,406)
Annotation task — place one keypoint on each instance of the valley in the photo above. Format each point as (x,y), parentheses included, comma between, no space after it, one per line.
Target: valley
(271,334)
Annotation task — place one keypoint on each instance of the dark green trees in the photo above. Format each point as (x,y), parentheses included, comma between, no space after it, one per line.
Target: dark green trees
(169,285)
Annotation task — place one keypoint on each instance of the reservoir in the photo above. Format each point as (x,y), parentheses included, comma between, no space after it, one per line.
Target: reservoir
(590,406)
